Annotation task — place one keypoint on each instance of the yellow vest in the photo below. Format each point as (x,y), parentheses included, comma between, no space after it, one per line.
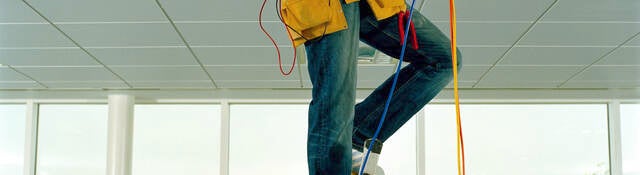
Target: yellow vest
(309,19)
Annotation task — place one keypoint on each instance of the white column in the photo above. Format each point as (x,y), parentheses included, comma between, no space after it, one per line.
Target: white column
(420,143)
(615,145)
(120,134)
(31,139)
(224,138)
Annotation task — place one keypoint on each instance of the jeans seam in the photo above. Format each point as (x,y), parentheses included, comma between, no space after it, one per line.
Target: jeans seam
(380,107)
(403,86)
(383,31)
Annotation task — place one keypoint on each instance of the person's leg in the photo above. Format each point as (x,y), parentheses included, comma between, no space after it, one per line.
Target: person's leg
(332,69)
(429,71)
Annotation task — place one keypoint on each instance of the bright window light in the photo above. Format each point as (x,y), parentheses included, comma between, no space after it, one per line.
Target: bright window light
(399,151)
(72,140)
(176,139)
(268,140)
(12,122)
(630,130)
(271,140)
(523,139)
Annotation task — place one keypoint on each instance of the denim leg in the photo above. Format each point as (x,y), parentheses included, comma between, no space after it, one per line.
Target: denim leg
(332,69)
(429,71)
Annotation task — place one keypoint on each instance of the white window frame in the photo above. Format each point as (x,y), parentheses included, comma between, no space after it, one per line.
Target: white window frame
(32,106)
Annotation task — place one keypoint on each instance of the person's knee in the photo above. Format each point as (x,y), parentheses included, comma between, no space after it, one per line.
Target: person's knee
(445,60)
(449,59)
(458,58)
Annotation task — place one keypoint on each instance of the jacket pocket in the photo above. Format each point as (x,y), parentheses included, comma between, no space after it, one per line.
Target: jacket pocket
(305,14)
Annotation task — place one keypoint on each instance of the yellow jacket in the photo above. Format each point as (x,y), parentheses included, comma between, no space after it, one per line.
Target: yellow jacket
(314,18)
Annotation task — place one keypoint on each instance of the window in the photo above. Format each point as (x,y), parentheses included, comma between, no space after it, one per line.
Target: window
(399,151)
(282,130)
(72,140)
(630,130)
(12,122)
(524,139)
(268,140)
(176,139)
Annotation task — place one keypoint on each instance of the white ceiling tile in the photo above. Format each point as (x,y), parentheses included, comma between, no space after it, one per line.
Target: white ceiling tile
(19,85)
(471,73)
(602,84)
(485,33)
(481,55)
(164,73)
(243,55)
(144,56)
(207,10)
(360,84)
(17,11)
(263,73)
(85,84)
(634,42)
(258,84)
(374,76)
(366,83)
(307,84)
(376,83)
(375,72)
(32,35)
(487,10)
(595,10)
(69,73)
(97,10)
(515,74)
(599,34)
(518,84)
(622,56)
(306,80)
(418,3)
(462,84)
(610,73)
(214,28)
(7,74)
(198,34)
(554,55)
(45,57)
(123,34)
(236,33)
(171,84)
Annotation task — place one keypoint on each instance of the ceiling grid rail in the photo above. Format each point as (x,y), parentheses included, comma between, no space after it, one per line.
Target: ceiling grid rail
(164,12)
(77,44)
(30,77)
(585,68)
(515,43)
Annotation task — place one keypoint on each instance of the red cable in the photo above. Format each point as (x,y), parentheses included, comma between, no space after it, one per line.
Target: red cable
(401,26)
(414,37)
(276,45)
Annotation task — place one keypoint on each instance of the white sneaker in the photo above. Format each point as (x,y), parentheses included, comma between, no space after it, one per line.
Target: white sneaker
(356,158)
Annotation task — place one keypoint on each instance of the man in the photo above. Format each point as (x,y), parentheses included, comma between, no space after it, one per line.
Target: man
(330,31)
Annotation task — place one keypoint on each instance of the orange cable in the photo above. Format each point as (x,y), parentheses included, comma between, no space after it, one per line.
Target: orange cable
(454,57)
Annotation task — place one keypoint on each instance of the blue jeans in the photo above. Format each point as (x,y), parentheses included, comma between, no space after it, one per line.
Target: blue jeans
(336,123)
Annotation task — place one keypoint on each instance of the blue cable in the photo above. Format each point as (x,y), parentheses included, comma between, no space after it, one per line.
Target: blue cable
(393,87)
